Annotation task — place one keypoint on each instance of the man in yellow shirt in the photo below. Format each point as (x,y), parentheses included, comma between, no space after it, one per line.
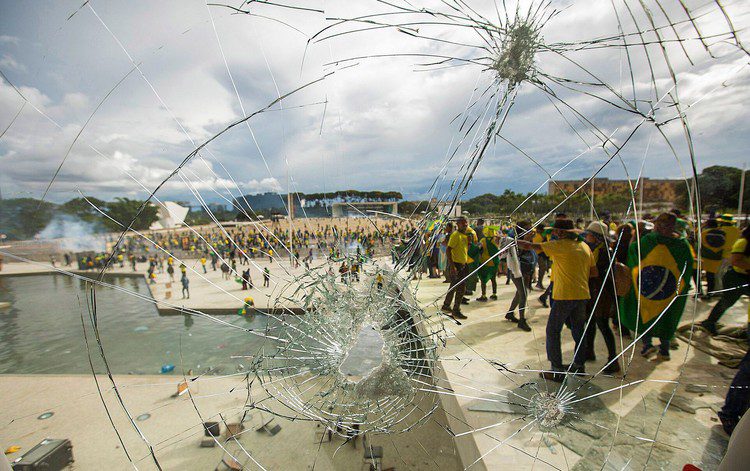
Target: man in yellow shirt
(572,266)
(735,281)
(457,259)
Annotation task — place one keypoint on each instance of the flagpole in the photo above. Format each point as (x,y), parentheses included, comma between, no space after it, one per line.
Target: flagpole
(640,197)
(742,190)
(290,204)
(591,215)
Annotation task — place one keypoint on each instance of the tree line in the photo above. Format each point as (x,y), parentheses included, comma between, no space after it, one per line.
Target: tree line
(23,218)
(353,196)
(719,191)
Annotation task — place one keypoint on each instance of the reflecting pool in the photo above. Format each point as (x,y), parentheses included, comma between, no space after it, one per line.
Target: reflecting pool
(43,333)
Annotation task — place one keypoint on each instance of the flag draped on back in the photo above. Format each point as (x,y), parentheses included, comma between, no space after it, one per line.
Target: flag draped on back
(665,270)
(712,247)
(716,244)
(489,269)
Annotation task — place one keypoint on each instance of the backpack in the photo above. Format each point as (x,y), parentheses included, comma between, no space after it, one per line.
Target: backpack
(623,279)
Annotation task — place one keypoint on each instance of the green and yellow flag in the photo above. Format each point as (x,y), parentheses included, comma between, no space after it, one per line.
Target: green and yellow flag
(666,267)
(713,245)
(489,269)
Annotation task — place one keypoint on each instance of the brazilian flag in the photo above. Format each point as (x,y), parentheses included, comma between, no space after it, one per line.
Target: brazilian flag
(489,269)
(665,271)
(474,253)
(713,242)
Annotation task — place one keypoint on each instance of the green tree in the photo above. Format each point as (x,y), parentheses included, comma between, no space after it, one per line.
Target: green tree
(124,210)
(23,218)
(720,188)
(84,210)
(408,208)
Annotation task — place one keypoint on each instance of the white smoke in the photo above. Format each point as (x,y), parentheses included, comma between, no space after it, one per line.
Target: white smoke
(74,234)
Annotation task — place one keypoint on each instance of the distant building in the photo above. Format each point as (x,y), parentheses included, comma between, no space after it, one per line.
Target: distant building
(214,207)
(445,209)
(267,202)
(363,208)
(170,215)
(276,203)
(662,191)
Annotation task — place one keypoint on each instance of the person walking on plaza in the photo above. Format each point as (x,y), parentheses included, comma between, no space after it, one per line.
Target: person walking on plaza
(520,270)
(472,262)
(662,267)
(550,236)
(603,296)
(479,228)
(623,236)
(713,240)
(266,277)
(457,256)
(185,286)
(203,264)
(443,252)
(170,272)
(541,235)
(735,282)
(572,266)
(488,263)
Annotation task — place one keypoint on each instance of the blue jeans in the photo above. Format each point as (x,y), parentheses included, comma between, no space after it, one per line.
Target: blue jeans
(562,311)
(738,396)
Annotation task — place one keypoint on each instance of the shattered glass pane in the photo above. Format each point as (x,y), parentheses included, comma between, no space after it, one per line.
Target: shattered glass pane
(272,334)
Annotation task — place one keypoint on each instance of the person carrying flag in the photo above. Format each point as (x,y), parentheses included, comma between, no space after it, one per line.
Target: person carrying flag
(488,262)
(735,281)
(661,276)
(714,240)
(472,268)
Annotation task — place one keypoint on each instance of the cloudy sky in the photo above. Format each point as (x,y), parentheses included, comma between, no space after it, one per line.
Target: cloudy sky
(122,92)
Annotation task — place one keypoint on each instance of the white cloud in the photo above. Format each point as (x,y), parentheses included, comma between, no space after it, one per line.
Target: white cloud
(8,62)
(262,186)
(75,100)
(6,39)
(386,126)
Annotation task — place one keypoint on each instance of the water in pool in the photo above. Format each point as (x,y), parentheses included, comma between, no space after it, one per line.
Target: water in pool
(42,332)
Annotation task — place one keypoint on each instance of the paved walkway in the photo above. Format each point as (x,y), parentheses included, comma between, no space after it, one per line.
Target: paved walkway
(477,412)
(487,337)
(174,427)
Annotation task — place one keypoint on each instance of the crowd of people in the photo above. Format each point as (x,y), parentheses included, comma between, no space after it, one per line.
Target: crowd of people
(316,237)
(632,276)
(627,276)
(224,248)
